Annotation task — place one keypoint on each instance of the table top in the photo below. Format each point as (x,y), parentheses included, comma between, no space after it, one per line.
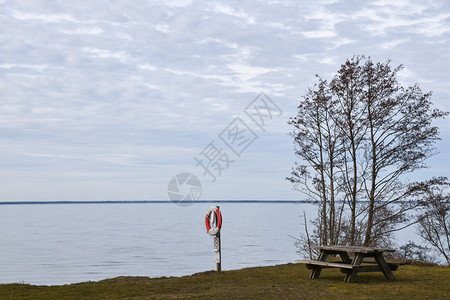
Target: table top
(355,249)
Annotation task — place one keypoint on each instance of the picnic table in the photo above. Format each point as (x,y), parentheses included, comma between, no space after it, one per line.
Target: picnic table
(351,266)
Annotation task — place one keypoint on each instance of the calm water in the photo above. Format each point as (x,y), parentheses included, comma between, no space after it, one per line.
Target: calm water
(61,244)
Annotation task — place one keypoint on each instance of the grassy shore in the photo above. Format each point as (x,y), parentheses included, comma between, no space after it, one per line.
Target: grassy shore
(277,282)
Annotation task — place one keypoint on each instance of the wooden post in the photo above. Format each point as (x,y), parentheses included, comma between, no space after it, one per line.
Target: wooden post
(213,222)
(217,252)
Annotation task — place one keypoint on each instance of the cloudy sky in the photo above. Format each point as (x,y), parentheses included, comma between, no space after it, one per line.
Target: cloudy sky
(108,100)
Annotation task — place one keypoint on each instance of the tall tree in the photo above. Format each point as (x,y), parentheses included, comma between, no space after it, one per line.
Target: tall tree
(347,88)
(356,137)
(317,137)
(400,136)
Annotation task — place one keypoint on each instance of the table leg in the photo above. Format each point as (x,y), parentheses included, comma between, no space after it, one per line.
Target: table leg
(384,267)
(345,258)
(357,260)
(315,273)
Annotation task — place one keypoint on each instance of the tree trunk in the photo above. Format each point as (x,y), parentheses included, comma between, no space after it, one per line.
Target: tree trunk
(370,216)
(355,186)
(324,196)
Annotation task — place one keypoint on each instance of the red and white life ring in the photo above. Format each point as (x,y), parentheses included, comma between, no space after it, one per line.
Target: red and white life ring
(217,218)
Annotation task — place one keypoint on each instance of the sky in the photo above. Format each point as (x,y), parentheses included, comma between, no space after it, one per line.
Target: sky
(109,100)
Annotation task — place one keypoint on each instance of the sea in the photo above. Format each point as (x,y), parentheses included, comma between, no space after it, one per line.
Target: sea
(64,243)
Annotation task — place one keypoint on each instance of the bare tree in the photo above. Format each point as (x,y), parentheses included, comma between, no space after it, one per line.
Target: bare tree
(414,253)
(317,136)
(434,223)
(400,137)
(356,137)
(347,88)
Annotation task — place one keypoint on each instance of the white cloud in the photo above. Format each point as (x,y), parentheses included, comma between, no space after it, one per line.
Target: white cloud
(302,57)
(122,159)
(327,23)
(246,72)
(393,43)
(84,30)
(218,41)
(319,34)
(435,26)
(123,36)
(413,18)
(176,3)
(39,68)
(340,41)
(50,155)
(280,26)
(147,67)
(230,11)
(215,104)
(104,53)
(164,28)
(47,18)
(327,60)
(403,6)
(407,76)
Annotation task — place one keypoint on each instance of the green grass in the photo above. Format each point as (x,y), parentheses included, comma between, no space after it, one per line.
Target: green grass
(277,282)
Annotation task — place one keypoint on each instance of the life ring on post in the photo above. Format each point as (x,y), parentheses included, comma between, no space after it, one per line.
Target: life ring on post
(217,218)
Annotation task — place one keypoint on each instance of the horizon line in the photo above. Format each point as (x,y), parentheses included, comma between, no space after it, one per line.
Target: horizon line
(150,202)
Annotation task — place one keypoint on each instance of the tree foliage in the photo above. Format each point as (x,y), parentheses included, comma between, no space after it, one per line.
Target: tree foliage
(357,136)
(434,222)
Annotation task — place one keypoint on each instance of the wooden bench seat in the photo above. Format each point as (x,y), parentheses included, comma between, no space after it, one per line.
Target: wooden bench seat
(393,266)
(325,264)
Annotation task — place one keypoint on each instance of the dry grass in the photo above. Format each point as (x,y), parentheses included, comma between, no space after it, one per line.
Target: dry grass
(278,282)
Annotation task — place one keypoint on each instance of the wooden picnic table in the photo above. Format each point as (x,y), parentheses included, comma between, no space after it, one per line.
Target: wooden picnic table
(351,266)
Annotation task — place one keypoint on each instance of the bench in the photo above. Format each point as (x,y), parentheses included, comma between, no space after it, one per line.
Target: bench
(351,266)
(393,265)
(310,264)
(316,264)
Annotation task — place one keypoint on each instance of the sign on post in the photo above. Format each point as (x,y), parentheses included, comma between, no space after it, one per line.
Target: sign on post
(213,222)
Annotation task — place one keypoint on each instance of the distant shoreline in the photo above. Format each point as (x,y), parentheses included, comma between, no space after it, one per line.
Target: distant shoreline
(154,202)
(167,202)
